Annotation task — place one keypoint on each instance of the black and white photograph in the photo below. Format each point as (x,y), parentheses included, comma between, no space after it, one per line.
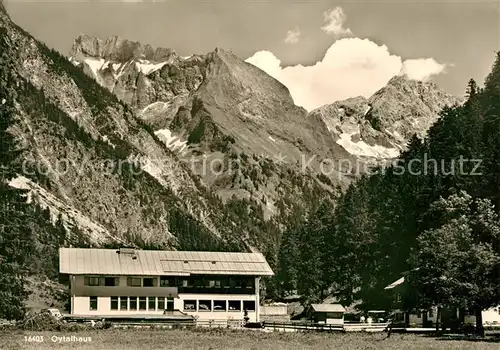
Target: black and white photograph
(249,174)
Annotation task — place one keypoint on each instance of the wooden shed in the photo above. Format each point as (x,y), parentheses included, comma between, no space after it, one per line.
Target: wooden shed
(326,313)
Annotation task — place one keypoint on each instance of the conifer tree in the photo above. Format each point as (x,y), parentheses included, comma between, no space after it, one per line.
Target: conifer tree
(15,239)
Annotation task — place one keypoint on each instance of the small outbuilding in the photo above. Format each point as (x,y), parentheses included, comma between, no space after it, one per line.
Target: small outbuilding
(326,313)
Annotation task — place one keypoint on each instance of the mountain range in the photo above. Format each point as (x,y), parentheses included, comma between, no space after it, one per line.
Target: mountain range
(134,145)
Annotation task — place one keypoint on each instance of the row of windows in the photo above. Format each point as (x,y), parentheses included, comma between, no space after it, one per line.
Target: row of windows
(136,303)
(190,282)
(197,282)
(218,305)
(162,303)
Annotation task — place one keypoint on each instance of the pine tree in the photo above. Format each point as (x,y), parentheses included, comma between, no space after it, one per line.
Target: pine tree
(288,259)
(472,90)
(16,243)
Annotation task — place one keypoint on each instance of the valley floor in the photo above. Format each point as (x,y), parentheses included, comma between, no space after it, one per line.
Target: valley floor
(227,339)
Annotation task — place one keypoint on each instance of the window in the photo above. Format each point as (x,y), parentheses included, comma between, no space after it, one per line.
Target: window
(431,313)
(111,281)
(93,303)
(217,284)
(249,305)
(133,282)
(219,305)
(167,281)
(249,283)
(161,303)
(124,303)
(225,283)
(234,305)
(188,282)
(142,303)
(198,283)
(91,281)
(205,305)
(133,303)
(236,283)
(209,283)
(152,303)
(189,305)
(149,282)
(114,303)
(170,304)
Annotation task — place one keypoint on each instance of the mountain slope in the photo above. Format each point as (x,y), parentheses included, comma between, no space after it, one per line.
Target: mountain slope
(381,126)
(236,126)
(81,145)
(243,101)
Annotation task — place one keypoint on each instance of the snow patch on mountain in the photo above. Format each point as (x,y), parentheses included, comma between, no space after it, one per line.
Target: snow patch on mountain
(147,67)
(362,149)
(174,143)
(95,65)
(367,111)
(74,61)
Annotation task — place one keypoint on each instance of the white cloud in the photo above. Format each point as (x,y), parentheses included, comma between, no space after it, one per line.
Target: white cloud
(334,22)
(351,67)
(422,69)
(292,36)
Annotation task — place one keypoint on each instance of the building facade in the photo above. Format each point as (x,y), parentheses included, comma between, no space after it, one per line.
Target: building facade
(207,285)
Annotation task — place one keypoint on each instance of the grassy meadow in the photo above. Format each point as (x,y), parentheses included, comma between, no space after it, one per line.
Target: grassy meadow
(230,339)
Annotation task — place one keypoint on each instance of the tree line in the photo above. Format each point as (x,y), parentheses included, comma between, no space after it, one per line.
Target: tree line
(438,223)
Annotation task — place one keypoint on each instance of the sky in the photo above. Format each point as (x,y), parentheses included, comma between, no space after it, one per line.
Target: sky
(322,50)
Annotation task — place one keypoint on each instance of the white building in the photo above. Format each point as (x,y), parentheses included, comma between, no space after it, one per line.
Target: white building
(210,285)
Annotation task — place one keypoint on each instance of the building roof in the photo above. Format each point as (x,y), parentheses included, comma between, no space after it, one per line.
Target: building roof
(79,261)
(328,308)
(395,283)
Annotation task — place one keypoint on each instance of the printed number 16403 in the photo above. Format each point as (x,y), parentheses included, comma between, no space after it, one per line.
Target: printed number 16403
(33,338)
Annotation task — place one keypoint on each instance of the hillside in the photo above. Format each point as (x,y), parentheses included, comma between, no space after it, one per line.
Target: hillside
(80,149)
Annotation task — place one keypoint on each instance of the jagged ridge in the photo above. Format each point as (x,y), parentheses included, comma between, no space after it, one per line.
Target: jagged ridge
(380,126)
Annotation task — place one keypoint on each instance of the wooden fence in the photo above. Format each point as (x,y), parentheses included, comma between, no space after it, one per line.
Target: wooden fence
(234,323)
(309,326)
(302,326)
(179,324)
(365,327)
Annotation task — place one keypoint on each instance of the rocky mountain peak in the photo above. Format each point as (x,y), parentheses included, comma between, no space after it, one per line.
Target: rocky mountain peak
(380,126)
(238,77)
(118,50)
